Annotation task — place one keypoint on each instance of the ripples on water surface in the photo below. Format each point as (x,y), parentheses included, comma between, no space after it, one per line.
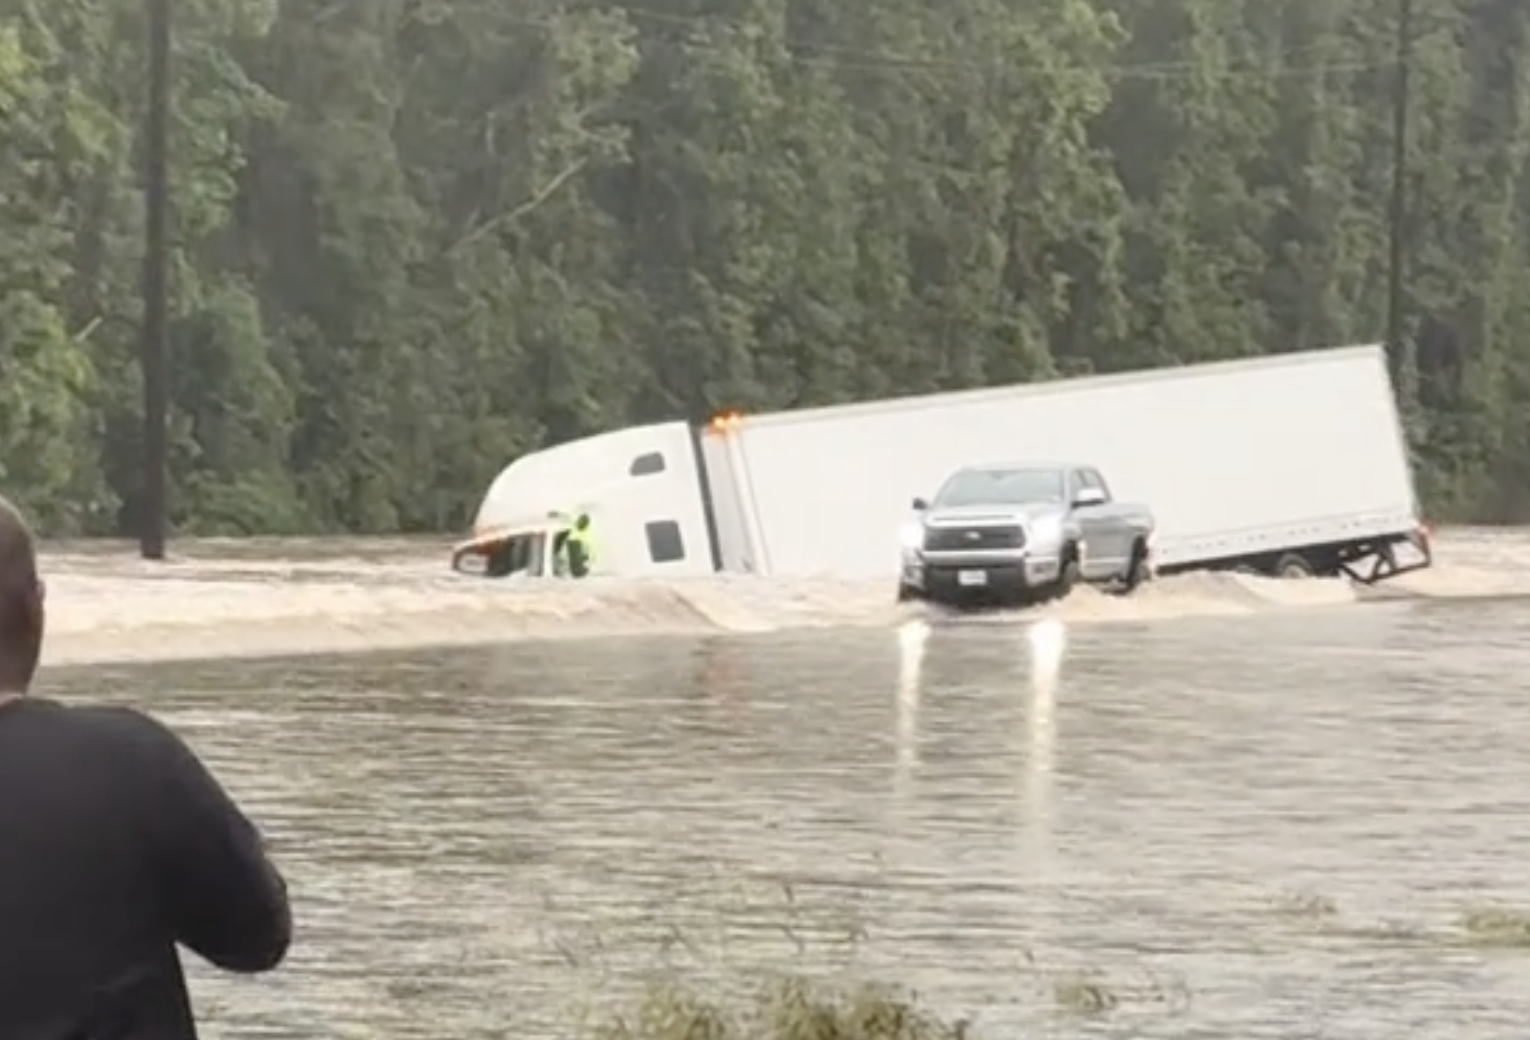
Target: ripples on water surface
(483,842)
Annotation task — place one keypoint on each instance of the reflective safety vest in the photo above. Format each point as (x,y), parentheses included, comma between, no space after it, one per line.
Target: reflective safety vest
(579,551)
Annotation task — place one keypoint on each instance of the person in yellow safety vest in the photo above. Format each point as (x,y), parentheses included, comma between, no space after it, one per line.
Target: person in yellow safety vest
(578,548)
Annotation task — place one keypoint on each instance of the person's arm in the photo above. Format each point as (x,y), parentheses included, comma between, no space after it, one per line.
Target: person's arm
(225,898)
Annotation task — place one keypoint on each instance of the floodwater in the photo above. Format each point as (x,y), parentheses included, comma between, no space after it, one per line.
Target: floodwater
(1267,815)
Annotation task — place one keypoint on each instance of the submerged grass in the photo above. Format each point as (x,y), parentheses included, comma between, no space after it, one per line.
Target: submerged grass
(704,987)
(1486,927)
(815,992)
(1496,927)
(800,1008)
(788,1009)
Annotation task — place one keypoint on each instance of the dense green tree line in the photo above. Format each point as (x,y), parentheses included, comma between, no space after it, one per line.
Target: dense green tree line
(414,237)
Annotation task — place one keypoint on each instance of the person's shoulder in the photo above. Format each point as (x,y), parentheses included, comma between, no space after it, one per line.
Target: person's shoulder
(139,746)
(124,725)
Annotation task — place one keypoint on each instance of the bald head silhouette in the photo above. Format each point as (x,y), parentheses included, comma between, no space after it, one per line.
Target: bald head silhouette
(21,602)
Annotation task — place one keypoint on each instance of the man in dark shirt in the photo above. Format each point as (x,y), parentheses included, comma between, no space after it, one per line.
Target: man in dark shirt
(115,845)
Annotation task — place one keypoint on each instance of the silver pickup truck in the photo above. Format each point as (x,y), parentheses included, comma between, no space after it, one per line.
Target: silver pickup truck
(1023,533)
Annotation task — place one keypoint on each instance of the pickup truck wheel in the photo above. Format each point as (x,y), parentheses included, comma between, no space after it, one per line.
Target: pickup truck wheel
(1293,565)
(907,593)
(1138,573)
(1068,577)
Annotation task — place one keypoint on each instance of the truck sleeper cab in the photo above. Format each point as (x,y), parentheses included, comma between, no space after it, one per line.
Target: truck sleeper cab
(1019,533)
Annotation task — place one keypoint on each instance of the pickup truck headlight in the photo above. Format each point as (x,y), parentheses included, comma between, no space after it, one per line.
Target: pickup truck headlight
(913,536)
(1046,529)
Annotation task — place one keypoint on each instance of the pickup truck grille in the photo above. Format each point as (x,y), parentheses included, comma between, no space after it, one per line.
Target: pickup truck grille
(973,539)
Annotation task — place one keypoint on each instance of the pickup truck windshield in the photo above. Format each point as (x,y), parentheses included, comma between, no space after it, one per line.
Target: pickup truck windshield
(1001,487)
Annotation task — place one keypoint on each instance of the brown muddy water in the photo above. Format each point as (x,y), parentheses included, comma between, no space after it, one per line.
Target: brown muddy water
(1263,825)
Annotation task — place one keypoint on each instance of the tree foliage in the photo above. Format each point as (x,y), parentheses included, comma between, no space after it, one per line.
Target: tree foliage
(414,238)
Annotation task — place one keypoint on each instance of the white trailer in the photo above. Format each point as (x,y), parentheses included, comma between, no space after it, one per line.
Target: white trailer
(1288,464)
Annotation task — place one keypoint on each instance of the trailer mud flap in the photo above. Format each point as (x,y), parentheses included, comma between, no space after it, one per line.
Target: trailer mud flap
(1385,562)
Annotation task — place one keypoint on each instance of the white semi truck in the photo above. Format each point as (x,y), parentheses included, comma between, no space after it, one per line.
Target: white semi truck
(1292,465)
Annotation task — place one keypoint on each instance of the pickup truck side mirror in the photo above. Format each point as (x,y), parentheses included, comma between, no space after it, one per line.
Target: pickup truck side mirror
(920,505)
(1088,497)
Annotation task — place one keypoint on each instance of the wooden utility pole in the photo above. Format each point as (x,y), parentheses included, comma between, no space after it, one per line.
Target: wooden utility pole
(153,516)
(1399,344)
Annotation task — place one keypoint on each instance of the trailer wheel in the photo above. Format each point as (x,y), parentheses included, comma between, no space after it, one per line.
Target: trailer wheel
(1293,565)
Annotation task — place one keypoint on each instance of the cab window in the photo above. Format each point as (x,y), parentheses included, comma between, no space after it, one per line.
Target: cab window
(665,544)
(646,465)
(522,554)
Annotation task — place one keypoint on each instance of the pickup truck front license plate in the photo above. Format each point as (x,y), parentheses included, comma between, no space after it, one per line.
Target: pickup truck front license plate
(971,578)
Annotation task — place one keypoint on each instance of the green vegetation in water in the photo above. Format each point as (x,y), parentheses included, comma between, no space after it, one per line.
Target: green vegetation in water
(799,976)
(797,1008)
(1093,992)
(703,991)
(803,1009)
(789,1009)
(1496,927)
(1488,926)
(706,988)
